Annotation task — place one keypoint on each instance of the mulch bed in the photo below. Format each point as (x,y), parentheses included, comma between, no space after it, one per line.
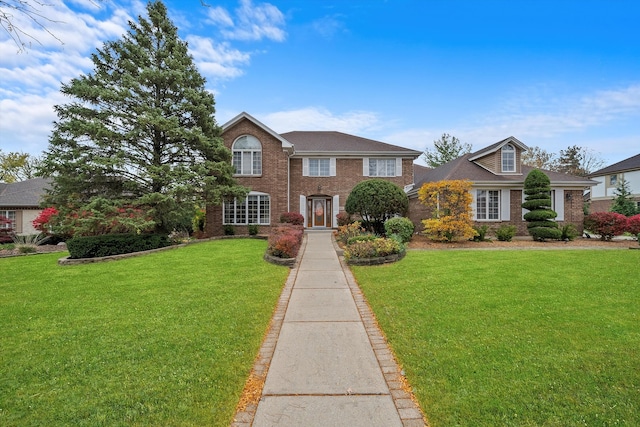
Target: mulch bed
(422,242)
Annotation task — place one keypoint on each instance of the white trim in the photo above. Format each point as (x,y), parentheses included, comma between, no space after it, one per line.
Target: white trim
(336,211)
(365,166)
(332,166)
(303,209)
(305,166)
(398,166)
(559,203)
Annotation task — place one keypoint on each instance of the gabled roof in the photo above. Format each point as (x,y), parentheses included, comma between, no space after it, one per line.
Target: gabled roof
(498,145)
(322,143)
(23,194)
(630,164)
(463,168)
(285,144)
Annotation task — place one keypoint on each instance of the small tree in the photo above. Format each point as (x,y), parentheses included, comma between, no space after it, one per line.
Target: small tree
(606,224)
(445,149)
(377,200)
(450,204)
(623,203)
(537,190)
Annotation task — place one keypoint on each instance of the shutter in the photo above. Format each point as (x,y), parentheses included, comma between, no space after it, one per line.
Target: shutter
(474,197)
(559,203)
(305,167)
(336,211)
(332,166)
(303,209)
(505,205)
(524,211)
(398,166)
(365,166)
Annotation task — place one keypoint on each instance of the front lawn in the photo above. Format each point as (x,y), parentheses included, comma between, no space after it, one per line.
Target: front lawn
(162,339)
(519,338)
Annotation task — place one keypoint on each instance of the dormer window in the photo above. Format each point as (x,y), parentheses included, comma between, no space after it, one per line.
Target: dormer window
(247,155)
(508,158)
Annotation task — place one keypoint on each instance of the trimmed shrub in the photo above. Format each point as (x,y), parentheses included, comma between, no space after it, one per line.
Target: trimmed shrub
(569,232)
(606,224)
(633,224)
(348,231)
(292,218)
(377,200)
(400,226)
(540,224)
(506,232)
(253,229)
(361,238)
(379,247)
(5,230)
(229,230)
(285,240)
(481,233)
(114,244)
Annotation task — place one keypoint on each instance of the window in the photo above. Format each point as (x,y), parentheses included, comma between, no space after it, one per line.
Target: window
(247,155)
(319,167)
(613,180)
(11,216)
(488,204)
(382,167)
(508,158)
(252,210)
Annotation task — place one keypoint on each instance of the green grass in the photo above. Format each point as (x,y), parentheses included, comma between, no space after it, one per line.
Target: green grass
(162,339)
(515,338)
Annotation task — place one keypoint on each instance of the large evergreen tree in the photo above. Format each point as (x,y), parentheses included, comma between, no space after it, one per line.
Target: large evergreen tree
(537,190)
(140,130)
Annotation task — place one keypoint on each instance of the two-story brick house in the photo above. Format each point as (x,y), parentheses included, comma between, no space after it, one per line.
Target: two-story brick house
(603,193)
(307,172)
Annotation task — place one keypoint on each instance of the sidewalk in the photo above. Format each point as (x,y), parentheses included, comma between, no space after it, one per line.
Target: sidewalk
(326,362)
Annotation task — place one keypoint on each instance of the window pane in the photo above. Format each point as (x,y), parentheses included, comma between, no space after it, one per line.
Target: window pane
(237,161)
(373,164)
(494,204)
(391,167)
(323,167)
(264,210)
(257,162)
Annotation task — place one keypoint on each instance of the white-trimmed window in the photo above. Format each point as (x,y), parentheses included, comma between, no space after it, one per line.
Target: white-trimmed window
(11,216)
(382,167)
(508,158)
(254,209)
(247,155)
(613,180)
(319,166)
(488,204)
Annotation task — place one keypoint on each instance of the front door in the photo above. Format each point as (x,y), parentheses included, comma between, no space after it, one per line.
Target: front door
(319,209)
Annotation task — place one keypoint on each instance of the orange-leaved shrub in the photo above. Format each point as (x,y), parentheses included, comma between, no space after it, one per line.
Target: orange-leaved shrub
(285,240)
(450,206)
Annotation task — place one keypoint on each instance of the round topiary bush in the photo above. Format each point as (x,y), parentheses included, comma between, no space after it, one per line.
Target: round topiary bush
(400,226)
(376,201)
(540,224)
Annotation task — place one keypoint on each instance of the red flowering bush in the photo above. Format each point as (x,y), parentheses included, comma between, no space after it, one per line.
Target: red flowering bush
(285,240)
(292,218)
(5,230)
(633,224)
(43,221)
(606,224)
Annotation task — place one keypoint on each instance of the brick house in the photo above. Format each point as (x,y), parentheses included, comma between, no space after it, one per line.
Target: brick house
(307,172)
(497,175)
(607,179)
(20,202)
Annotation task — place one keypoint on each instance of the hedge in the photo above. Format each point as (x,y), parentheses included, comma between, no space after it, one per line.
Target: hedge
(114,244)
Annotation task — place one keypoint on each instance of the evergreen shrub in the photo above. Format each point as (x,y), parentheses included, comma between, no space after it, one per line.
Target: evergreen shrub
(481,233)
(540,224)
(400,226)
(506,232)
(114,244)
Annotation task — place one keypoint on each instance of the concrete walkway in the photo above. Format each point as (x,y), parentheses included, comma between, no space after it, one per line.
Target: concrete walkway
(325,360)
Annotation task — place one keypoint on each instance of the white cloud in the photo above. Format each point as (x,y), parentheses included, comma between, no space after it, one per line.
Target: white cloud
(253,22)
(328,26)
(217,61)
(317,118)
(220,16)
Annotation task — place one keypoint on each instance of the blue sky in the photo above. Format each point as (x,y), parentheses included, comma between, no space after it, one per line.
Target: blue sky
(551,73)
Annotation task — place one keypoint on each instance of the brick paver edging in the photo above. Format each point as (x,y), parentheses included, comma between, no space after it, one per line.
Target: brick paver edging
(410,413)
(244,417)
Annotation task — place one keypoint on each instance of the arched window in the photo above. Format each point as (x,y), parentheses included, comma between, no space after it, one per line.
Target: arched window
(508,158)
(247,155)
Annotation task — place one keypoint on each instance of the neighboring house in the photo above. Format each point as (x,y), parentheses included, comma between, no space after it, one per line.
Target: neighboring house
(603,193)
(497,175)
(20,202)
(307,172)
